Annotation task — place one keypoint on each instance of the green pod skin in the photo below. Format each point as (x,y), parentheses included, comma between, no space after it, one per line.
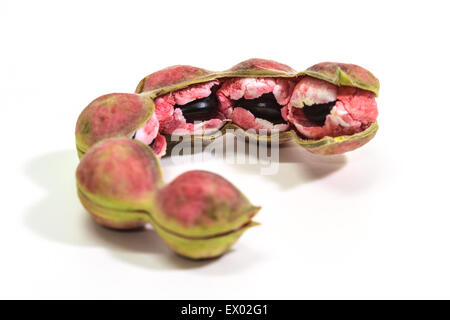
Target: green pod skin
(199,215)
(338,145)
(201,248)
(342,74)
(172,79)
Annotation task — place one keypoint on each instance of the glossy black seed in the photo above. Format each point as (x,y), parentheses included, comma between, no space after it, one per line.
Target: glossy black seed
(200,109)
(265,107)
(317,113)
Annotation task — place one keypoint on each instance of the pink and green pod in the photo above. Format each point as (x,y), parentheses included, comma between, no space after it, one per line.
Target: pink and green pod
(201,215)
(330,108)
(119,115)
(194,102)
(185,101)
(333,108)
(116,179)
(255,95)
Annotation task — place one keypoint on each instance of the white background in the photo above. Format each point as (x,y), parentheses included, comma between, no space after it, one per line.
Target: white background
(374,223)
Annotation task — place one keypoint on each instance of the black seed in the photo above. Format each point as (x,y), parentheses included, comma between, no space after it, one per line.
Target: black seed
(317,113)
(200,109)
(265,107)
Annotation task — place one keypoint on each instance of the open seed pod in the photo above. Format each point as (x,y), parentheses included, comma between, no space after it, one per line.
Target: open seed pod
(329,108)
(255,95)
(199,215)
(268,97)
(119,115)
(198,103)
(333,108)
(116,179)
(185,100)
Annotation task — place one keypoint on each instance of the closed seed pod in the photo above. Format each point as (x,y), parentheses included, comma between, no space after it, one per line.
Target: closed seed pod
(199,215)
(115,180)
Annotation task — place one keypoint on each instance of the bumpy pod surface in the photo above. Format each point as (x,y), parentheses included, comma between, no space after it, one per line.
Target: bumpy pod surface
(117,115)
(115,180)
(199,215)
